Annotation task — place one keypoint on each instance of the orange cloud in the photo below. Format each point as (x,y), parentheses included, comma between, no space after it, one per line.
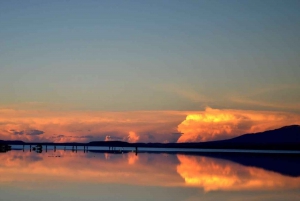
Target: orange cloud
(137,126)
(215,174)
(133,137)
(215,124)
(82,126)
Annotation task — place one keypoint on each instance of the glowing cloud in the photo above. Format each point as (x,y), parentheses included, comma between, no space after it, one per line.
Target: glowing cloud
(215,124)
(133,137)
(137,126)
(83,126)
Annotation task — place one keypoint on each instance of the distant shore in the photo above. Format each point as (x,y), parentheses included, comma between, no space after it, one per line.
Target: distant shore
(285,138)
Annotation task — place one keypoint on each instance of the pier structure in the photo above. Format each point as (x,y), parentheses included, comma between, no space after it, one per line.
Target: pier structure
(39,147)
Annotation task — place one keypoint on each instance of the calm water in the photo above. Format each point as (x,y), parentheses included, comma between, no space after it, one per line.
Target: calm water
(67,175)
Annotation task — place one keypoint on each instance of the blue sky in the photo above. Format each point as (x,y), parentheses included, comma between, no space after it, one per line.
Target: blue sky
(151,55)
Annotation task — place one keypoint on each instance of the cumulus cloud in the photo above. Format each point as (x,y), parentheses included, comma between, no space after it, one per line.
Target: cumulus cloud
(133,137)
(216,124)
(113,138)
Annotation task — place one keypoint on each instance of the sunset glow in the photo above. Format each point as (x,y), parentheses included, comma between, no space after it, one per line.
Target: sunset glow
(137,126)
(154,94)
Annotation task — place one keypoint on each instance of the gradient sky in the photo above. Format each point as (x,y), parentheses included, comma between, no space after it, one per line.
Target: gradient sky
(150,56)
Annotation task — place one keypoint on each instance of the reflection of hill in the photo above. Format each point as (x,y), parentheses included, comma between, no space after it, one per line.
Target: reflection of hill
(283,164)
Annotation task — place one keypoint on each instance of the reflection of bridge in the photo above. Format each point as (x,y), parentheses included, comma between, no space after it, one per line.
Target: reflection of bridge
(4,148)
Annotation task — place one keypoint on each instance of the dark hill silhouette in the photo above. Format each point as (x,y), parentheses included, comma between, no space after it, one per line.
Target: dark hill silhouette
(287,137)
(287,134)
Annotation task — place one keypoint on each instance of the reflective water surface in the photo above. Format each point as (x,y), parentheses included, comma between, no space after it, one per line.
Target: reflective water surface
(69,175)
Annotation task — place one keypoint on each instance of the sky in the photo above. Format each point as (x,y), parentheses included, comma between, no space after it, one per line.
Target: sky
(153,68)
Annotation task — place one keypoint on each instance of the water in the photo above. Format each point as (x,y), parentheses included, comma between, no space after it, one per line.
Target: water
(124,175)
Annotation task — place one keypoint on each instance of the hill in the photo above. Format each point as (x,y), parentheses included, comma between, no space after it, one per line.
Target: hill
(284,135)
(287,137)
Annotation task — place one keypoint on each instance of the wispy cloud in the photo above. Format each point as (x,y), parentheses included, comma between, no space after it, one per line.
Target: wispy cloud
(186,92)
(284,97)
(266,104)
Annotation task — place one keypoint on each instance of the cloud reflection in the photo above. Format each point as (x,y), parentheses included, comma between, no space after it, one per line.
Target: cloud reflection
(216,174)
(17,167)
(206,173)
